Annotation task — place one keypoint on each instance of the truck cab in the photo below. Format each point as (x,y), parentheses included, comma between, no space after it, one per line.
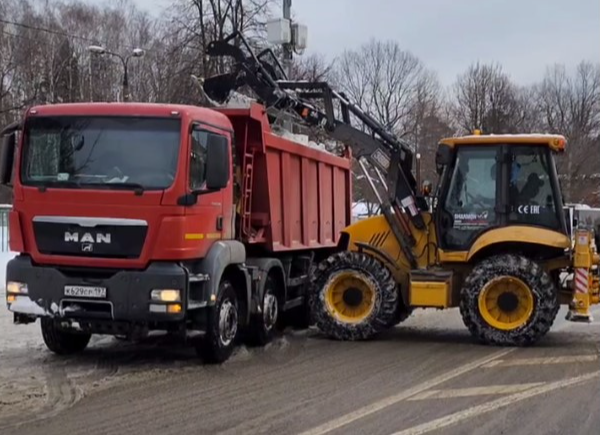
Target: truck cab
(124,217)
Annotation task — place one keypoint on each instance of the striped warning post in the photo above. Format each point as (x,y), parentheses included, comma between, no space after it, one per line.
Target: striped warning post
(582,280)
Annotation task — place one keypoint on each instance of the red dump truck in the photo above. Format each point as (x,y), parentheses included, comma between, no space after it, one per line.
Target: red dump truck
(136,217)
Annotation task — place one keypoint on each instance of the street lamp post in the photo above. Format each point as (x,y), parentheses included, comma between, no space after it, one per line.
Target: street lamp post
(137,52)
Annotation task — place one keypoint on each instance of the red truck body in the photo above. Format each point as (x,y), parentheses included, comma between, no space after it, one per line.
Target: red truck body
(299,197)
(170,256)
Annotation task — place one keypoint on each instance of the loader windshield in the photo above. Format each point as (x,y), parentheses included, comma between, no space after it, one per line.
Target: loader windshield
(100,152)
(533,192)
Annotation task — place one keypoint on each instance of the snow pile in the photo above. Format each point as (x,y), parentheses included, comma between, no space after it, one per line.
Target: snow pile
(302,139)
(238,101)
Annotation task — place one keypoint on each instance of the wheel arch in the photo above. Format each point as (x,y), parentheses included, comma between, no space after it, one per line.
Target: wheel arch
(227,258)
(533,242)
(535,251)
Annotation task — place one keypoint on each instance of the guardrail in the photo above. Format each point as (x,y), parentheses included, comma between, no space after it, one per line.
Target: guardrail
(4,210)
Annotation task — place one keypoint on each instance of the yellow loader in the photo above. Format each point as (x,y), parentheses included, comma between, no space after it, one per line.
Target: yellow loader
(492,239)
(495,243)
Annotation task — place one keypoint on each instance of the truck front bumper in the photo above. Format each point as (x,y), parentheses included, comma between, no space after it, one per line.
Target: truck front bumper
(126,295)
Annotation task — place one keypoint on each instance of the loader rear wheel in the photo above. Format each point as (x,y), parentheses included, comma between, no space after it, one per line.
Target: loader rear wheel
(509,300)
(353,296)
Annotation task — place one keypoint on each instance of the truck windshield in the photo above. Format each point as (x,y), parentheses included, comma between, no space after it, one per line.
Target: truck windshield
(97,151)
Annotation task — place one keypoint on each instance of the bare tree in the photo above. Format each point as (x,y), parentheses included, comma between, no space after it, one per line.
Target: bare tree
(570,105)
(386,81)
(312,68)
(485,98)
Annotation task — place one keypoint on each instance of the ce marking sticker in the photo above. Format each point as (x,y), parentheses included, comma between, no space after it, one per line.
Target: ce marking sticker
(528,209)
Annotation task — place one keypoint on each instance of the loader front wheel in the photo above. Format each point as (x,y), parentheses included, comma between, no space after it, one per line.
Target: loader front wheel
(353,296)
(509,300)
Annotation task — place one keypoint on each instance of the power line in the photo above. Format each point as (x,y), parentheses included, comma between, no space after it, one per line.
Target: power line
(60,33)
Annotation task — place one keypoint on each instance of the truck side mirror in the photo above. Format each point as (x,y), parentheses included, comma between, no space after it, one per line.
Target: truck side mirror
(7,155)
(217,162)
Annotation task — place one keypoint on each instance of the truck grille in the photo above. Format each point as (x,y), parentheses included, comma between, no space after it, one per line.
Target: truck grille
(90,237)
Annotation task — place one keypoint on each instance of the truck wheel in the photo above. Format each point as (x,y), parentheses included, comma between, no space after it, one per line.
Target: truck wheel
(222,326)
(353,296)
(509,300)
(60,341)
(263,327)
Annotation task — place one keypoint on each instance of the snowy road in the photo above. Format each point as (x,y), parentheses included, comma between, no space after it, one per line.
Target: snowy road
(424,377)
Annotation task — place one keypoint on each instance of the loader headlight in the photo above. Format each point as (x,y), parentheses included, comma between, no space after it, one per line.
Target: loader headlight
(16,288)
(166,295)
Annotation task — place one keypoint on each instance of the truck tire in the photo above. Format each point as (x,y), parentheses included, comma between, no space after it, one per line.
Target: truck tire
(353,296)
(222,328)
(60,341)
(263,327)
(509,300)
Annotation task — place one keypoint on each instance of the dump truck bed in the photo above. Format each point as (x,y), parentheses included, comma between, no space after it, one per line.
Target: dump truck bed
(291,196)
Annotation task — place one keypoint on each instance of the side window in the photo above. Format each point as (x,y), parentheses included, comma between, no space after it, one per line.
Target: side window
(198,159)
(470,203)
(531,190)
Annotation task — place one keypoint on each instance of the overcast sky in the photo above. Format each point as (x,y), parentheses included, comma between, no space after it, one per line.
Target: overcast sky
(523,35)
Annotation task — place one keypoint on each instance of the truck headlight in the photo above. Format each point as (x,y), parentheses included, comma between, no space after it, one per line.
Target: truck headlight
(166,295)
(16,288)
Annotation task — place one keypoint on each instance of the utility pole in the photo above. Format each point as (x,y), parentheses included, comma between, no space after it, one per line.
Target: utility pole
(288,51)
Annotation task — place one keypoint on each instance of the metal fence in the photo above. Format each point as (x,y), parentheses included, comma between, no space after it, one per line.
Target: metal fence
(4,209)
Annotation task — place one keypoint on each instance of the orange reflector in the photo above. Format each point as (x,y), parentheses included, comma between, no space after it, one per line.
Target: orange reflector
(174,308)
(11,298)
(305,113)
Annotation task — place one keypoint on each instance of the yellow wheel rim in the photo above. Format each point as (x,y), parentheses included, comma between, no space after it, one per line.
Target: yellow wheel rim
(506,303)
(350,297)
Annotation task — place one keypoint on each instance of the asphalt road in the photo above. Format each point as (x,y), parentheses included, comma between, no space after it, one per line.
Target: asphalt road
(426,376)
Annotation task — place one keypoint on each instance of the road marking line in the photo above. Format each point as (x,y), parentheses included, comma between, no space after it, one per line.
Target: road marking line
(494,405)
(541,361)
(474,391)
(396,398)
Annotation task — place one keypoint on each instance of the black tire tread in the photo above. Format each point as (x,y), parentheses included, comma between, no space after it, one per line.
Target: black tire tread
(209,348)
(546,303)
(62,342)
(256,335)
(384,314)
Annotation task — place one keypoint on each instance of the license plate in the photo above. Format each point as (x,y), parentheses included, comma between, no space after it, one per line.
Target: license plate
(79,291)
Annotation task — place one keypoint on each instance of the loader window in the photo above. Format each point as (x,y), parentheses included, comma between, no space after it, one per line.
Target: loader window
(532,195)
(469,207)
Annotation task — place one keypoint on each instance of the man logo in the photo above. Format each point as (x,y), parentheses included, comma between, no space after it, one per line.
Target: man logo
(87,247)
(87,238)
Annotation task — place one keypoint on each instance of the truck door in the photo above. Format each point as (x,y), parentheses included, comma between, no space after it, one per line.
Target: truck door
(213,209)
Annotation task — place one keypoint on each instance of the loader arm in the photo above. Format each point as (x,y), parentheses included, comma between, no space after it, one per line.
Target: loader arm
(315,105)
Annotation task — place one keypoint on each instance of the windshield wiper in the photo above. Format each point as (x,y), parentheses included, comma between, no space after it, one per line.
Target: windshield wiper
(137,188)
(42,187)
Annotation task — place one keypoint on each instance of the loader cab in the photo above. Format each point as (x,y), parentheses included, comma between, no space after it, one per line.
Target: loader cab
(497,181)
